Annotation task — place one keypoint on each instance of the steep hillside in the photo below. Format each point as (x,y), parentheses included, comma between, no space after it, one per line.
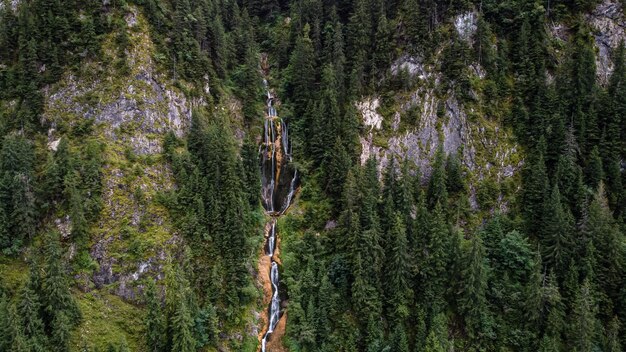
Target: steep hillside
(312,175)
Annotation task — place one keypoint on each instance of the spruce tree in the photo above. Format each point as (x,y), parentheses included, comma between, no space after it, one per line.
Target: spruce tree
(252,177)
(155,328)
(397,271)
(583,324)
(336,171)
(593,172)
(6,333)
(359,40)
(436,260)
(61,311)
(608,271)
(535,191)
(326,119)
(300,83)
(553,315)
(29,309)
(557,239)
(61,326)
(182,324)
(382,49)
(19,342)
(473,298)
(437,191)
(612,340)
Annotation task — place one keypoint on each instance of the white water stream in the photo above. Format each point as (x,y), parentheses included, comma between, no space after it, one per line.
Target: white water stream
(279,184)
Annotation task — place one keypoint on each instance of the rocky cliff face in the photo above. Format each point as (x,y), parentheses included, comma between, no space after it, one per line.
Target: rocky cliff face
(609,24)
(132,108)
(487,149)
(422,120)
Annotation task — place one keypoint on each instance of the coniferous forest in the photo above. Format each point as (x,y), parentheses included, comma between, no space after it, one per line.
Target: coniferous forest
(452,175)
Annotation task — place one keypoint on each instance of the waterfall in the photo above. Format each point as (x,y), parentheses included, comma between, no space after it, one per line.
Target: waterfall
(279,185)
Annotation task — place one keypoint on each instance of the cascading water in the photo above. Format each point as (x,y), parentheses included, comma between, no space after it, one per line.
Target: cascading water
(279,184)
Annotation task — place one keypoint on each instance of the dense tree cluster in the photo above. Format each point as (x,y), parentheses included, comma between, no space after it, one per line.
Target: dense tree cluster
(217,192)
(401,270)
(43,313)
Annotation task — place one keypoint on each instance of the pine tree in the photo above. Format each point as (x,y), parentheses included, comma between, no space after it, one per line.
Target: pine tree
(437,340)
(350,127)
(454,174)
(19,343)
(23,214)
(334,53)
(414,26)
(399,339)
(17,189)
(349,218)
(580,83)
(247,75)
(218,46)
(6,240)
(484,46)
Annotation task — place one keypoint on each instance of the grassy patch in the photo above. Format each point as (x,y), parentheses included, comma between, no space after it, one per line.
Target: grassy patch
(12,273)
(108,319)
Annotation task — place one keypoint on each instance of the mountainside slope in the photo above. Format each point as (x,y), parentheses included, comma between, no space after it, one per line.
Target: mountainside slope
(458,175)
